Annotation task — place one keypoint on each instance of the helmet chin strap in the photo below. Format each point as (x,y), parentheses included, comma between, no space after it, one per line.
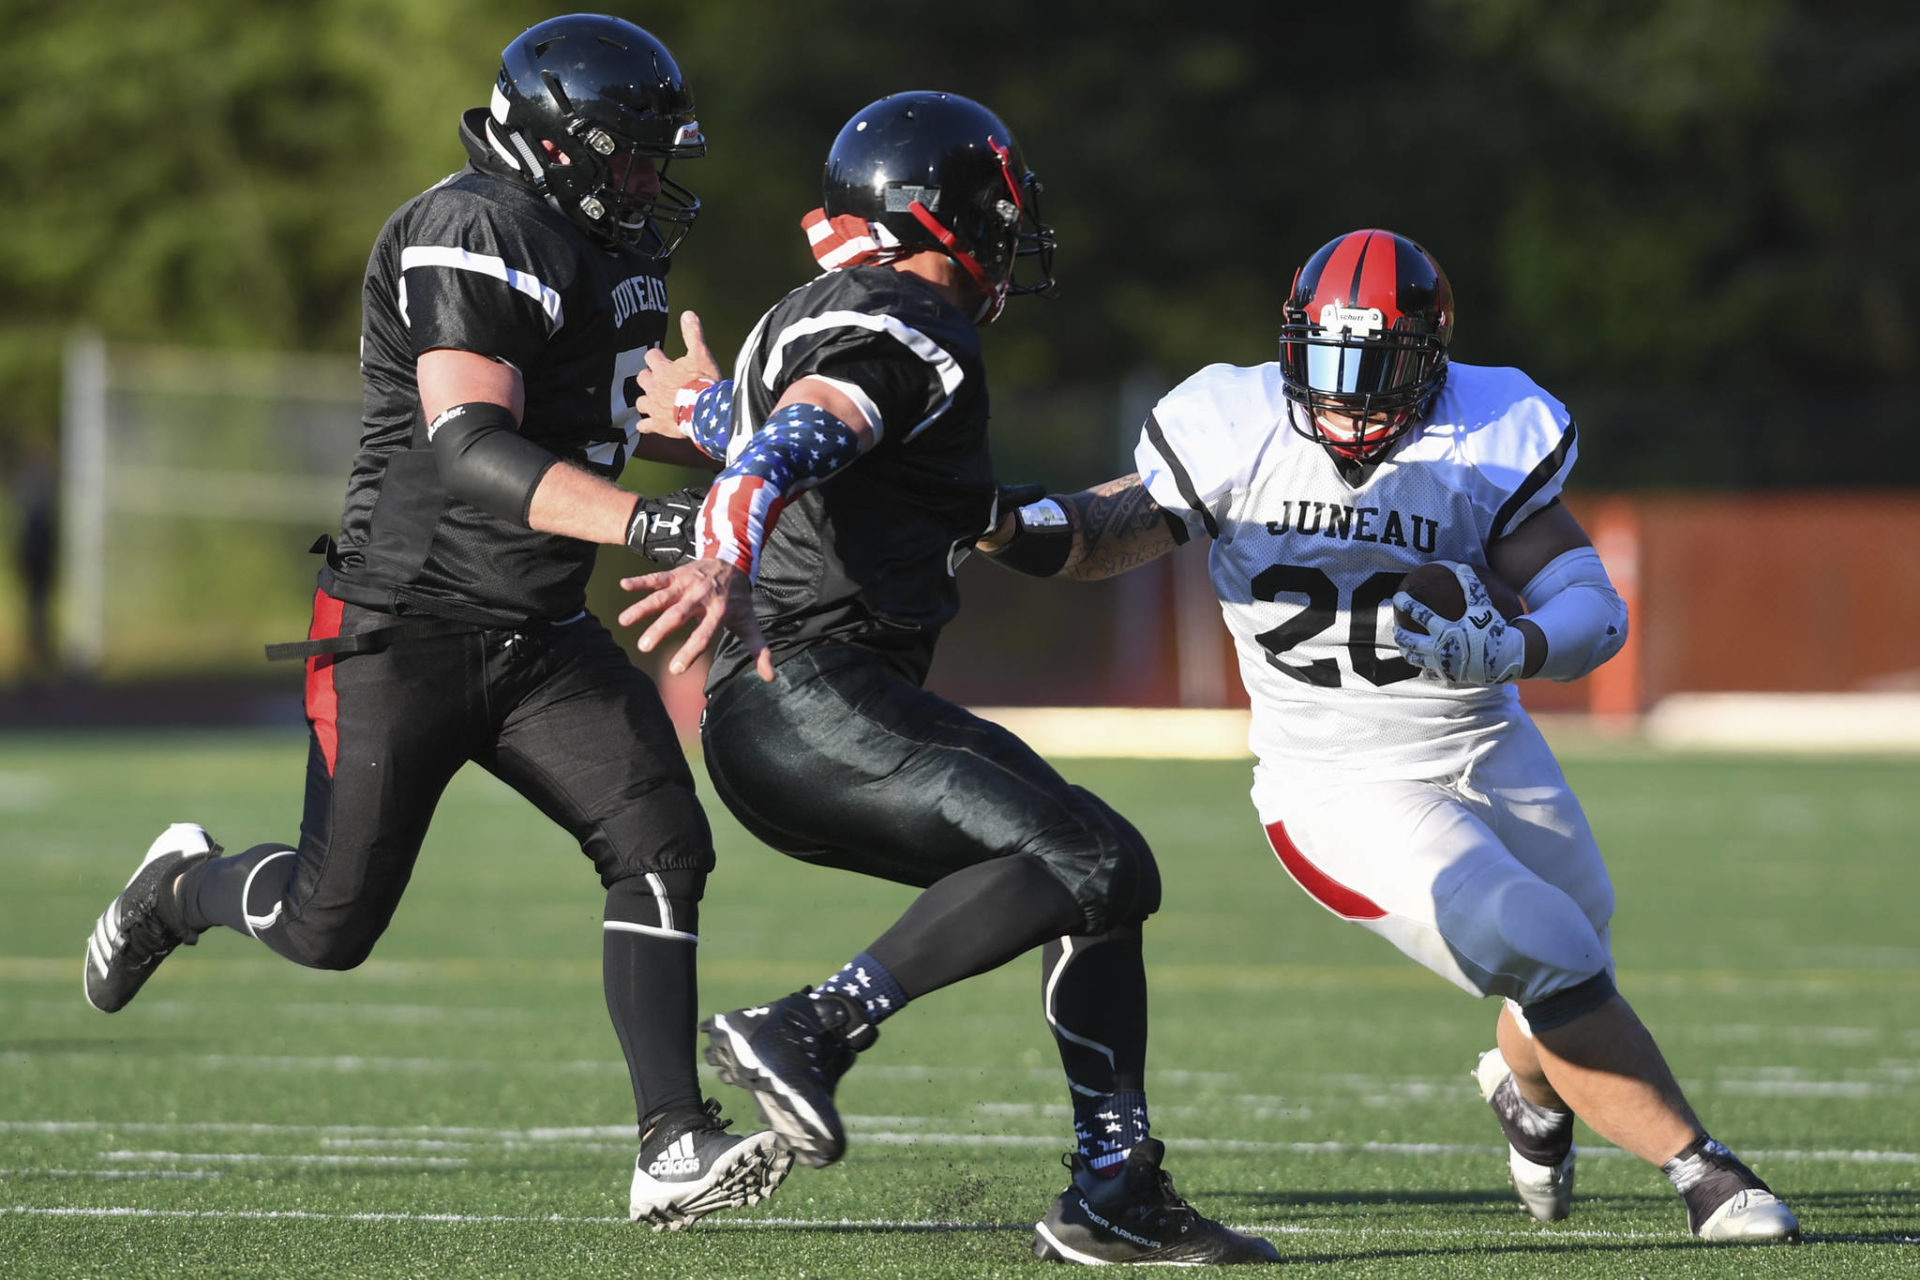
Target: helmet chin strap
(993,296)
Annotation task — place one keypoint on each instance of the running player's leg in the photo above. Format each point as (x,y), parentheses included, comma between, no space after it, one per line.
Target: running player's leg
(584,737)
(842,762)
(388,730)
(1602,1062)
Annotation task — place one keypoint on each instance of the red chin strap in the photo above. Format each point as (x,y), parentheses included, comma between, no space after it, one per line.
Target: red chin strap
(952,246)
(995,293)
(993,296)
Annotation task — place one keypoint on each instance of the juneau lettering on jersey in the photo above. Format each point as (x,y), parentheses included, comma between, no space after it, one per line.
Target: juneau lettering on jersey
(638,293)
(1356,524)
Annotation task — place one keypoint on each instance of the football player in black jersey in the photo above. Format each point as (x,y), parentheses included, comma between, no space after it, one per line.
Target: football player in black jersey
(854,433)
(506,311)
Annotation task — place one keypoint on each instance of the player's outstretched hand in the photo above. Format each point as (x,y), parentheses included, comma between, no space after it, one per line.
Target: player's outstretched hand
(708,593)
(663,379)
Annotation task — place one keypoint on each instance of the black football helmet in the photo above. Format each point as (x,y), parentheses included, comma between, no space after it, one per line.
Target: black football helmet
(605,93)
(939,171)
(1365,338)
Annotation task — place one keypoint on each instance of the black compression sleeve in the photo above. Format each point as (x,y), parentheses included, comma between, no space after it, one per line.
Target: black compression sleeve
(485,461)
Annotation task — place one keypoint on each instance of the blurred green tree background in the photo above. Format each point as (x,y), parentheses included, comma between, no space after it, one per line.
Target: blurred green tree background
(1694,220)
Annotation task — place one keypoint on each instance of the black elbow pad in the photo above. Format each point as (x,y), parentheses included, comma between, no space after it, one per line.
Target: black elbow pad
(484,460)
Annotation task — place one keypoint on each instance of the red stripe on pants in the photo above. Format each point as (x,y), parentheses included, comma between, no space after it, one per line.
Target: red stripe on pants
(323,707)
(1323,888)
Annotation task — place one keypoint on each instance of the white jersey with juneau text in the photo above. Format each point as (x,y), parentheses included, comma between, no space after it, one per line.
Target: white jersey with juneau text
(1305,563)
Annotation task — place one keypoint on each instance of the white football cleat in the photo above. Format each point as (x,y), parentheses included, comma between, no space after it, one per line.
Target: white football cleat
(1751,1216)
(1545,1189)
(692,1169)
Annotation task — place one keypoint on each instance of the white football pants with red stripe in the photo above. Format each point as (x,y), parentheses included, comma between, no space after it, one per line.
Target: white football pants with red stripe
(1490,878)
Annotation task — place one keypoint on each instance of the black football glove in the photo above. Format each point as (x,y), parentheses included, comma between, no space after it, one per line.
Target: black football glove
(662,529)
(1010,498)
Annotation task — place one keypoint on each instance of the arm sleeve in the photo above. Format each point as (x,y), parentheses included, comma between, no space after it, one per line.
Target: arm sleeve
(703,411)
(798,447)
(1584,620)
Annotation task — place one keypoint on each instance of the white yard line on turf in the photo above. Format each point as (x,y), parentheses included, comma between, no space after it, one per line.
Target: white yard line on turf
(869,1224)
(112,1173)
(744,1224)
(619,1137)
(261,1157)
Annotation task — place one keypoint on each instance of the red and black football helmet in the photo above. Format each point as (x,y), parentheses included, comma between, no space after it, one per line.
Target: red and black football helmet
(604,92)
(1365,337)
(939,171)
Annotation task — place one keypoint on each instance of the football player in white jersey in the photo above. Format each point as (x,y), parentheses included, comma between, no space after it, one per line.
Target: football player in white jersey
(1399,781)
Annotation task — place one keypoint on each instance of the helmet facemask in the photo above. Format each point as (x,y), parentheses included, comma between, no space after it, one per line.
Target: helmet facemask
(1379,384)
(1363,346)
(989,237)
(602,95)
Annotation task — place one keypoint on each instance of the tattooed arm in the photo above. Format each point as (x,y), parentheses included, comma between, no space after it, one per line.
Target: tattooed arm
(1113,526)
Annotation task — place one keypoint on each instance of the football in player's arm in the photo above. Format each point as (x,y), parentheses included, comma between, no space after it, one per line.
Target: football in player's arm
(1398,779)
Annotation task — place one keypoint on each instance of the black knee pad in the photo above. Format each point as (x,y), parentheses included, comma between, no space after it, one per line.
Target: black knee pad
(661,904)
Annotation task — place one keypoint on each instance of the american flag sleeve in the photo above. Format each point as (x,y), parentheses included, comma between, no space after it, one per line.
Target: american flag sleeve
(799,446)
(703,410)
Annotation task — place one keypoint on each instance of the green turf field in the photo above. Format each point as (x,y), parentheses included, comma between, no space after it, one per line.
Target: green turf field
(459,1107)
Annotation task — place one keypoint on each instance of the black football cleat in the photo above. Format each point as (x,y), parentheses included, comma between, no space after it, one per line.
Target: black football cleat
(133,936)
(790,1055)
(1135,1216)
(691,1166)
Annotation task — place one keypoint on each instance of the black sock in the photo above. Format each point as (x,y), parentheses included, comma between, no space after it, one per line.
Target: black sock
(653,1001)
(1707,1175)
(974,920)
(239,892)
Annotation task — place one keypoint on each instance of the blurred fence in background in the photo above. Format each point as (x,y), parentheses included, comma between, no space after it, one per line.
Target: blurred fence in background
(194,482)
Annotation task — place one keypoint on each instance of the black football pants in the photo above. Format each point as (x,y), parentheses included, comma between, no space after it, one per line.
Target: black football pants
(843,762)
(558,713)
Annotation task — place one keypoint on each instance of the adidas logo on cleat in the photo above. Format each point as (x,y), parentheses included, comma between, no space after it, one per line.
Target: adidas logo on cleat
(676,1160)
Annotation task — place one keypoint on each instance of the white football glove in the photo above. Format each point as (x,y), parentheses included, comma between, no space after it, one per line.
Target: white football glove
(1477,648)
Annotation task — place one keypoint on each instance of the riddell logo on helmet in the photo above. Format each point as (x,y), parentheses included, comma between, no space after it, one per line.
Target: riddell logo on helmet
(1360,321)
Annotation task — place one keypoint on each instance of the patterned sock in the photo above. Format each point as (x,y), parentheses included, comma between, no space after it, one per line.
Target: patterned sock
(1543,1135)
(867,980)
(1107,1128)
(1707,1175)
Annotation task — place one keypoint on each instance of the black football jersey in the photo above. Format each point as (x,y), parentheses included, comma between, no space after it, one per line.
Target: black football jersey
(481,263)
(868,556)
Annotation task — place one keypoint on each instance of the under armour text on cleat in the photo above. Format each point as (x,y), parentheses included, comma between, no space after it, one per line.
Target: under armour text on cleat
(1540,1150)
(142,926)
(790,1055)
(692,1167)
(1751,1216)
(1135,1216)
